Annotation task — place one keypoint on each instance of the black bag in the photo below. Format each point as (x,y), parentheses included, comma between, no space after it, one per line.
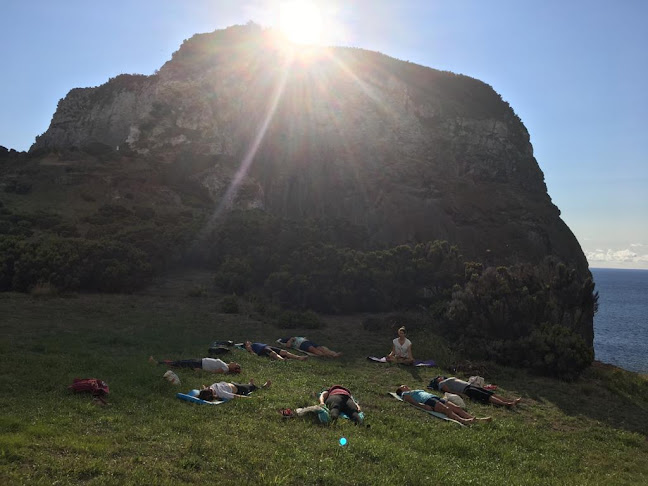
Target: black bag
(217,350)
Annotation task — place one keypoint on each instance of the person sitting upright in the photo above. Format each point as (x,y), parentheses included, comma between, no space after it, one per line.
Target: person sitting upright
(401,349)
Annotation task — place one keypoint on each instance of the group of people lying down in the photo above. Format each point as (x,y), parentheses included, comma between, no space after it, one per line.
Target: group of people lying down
(401,352)
(214,365)
(299,343)
(338,399)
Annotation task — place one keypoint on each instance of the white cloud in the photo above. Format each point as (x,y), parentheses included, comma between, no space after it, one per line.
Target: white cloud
(626,257)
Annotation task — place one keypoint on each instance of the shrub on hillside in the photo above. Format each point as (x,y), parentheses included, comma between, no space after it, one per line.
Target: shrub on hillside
(66,230)
(72,264)
(341,280)
(267,309)
(234,276)
(198,291)
(551,349)
(230,304)
(501,313)
(43,290)
(108,214)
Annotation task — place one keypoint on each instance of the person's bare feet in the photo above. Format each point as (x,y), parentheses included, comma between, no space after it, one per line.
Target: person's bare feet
(483,419)
(302,358)
(267,384)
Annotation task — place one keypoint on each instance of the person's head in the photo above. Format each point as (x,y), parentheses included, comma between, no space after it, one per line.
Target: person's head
(402,331)
(207,394)
(234,367)
(434,384)
(401,389)
(284,340)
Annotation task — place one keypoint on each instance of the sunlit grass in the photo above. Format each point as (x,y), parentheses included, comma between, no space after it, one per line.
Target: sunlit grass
(589,432)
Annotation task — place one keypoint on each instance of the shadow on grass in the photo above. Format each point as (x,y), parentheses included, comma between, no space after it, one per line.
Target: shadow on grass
(603,393)
(414,371)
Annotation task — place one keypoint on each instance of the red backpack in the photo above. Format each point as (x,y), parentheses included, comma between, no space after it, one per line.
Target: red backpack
(98,388)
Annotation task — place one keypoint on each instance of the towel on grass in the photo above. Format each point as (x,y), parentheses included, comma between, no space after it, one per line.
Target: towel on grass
(431,412)
(192,396)
(417,362)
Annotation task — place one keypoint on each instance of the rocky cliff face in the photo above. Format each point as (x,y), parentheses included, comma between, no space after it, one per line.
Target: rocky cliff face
(406,152)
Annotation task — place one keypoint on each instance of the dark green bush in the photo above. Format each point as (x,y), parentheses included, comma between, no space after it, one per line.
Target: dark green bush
(198,291)
(108,214)
(234,276)
(552,349)
(502,314)
(71,264)
(230,304)
(66,230)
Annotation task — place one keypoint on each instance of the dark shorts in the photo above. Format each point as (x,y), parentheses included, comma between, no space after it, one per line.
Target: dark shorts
(307,344)
(245,389)
(268,349)
(478,394)
(433,401)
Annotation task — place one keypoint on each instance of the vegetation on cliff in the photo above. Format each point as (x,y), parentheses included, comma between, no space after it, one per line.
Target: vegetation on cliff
(526,315)
(384,186)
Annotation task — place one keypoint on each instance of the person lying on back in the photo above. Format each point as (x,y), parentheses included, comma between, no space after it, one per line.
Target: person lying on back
(262,349)
(227,391)
(428,401)
(475,393)
(304,344)
(212,365)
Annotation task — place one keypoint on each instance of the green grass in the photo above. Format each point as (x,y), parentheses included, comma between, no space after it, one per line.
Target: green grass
(592,431)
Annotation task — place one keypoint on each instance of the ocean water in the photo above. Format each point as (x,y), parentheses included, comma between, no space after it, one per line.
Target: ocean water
(621,323)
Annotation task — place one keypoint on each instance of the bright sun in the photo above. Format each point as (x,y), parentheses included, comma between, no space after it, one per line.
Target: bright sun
(301,22)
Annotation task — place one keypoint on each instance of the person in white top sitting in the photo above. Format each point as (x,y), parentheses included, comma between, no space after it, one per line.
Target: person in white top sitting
(401,349)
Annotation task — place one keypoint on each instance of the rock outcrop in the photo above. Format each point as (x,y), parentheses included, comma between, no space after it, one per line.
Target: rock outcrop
(406,152)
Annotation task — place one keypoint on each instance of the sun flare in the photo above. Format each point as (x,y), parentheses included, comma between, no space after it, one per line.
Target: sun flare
(301,22)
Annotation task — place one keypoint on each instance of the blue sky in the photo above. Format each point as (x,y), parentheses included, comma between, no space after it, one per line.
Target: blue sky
(576,72)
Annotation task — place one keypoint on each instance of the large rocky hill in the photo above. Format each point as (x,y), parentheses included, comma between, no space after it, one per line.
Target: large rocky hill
(405,152)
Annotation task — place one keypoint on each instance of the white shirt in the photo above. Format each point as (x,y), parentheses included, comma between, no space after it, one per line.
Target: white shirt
(297,342)
(401,350)
(214,364)
(223,390)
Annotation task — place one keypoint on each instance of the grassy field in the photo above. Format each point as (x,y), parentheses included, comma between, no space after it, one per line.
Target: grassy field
(592,431)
